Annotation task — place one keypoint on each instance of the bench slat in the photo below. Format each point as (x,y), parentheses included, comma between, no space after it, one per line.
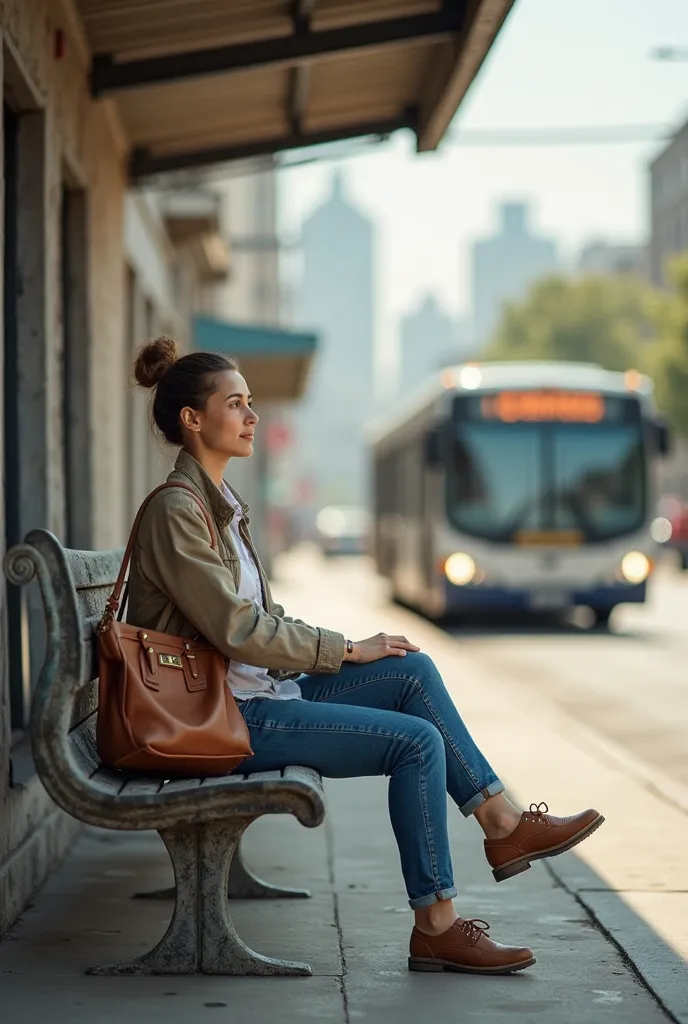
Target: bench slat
(226,780)
(301,774)
(143,785)
(264,776)
(83,741)
(108,779)
(175,785)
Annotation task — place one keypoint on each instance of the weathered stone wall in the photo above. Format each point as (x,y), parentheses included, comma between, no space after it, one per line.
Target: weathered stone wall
(82,145)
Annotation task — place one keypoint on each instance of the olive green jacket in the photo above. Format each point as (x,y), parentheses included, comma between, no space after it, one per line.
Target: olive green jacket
(179,584)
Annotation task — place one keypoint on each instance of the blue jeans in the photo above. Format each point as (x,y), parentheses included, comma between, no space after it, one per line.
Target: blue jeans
(392,717)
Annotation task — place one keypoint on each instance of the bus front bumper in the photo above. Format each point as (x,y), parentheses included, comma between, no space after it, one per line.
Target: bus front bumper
(540,597)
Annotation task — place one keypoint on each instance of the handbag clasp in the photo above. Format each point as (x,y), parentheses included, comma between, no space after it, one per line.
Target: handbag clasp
(171,660)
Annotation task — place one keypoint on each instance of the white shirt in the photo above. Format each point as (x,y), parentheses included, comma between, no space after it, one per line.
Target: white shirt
(249,681)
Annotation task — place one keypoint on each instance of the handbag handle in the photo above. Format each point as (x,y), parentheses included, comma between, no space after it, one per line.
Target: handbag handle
(114,599)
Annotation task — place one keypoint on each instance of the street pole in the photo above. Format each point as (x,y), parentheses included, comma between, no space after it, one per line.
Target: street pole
(670,53)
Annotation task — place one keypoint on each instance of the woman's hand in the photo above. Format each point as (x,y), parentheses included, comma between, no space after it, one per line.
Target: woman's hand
(380,646)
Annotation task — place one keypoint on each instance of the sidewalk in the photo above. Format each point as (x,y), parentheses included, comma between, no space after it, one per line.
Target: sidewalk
(354,931)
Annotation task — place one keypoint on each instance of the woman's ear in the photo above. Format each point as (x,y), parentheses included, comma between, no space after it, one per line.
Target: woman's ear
(190,419)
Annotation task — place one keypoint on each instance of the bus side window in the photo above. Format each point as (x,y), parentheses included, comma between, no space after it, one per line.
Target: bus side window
(663,438)
(433,447)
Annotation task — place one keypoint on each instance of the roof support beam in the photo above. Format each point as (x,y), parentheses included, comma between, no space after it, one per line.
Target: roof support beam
(144,164)
(300,75)
(108,76)
(457,64)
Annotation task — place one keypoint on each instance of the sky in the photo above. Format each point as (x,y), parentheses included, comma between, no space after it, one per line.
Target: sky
(556,63)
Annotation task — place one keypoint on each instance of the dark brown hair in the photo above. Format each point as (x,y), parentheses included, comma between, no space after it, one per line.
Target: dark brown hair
(178,382)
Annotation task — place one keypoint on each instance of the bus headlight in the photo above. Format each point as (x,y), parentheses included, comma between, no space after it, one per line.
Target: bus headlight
(459,568)
(661,530)
(635,567)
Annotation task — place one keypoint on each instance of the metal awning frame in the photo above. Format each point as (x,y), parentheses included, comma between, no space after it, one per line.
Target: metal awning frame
(145,165)
(301,47)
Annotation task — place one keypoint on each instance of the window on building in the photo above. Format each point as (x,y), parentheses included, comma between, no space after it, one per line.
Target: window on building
(26,380)
(17,627)
(75,366)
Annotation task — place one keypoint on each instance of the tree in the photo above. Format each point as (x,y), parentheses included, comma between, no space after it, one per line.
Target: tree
(605,320)
(669,361)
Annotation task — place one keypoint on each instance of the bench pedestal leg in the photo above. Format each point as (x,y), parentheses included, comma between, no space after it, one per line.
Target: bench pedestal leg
(223,952)
(242,885)
(177,952)
(201,937)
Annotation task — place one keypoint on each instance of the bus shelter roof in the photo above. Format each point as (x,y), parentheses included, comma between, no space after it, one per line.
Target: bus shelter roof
(201,82)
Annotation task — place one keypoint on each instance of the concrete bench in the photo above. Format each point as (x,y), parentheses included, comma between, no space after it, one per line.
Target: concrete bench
(200,820)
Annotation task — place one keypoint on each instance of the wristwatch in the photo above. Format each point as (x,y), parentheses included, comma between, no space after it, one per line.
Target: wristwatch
(349,647)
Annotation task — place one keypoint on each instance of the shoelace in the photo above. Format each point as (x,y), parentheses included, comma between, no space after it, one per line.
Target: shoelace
(539,811)
(475,928)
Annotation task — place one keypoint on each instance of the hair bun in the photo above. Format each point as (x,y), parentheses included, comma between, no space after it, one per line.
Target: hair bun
(154,360)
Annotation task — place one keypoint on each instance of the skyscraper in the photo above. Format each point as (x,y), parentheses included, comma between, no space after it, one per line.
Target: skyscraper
(427,341)
(336,300)
(505,266)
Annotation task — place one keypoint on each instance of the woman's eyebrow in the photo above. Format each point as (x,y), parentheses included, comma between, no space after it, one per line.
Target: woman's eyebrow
(239,394)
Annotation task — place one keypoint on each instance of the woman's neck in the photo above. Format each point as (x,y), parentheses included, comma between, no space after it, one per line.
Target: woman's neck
(214,463)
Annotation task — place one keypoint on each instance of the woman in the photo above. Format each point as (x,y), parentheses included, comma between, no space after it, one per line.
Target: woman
(310,696)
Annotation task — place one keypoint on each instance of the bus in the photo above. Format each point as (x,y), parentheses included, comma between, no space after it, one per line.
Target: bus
(518,487)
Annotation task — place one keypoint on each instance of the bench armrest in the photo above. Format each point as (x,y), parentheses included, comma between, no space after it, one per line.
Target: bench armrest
(62,674)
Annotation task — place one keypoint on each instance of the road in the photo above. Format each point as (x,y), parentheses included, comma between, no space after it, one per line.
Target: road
(629,684)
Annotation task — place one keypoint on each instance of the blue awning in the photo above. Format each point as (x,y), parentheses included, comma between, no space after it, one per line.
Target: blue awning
(275,362)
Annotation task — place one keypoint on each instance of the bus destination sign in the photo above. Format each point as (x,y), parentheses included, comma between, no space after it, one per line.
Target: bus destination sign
(542,406)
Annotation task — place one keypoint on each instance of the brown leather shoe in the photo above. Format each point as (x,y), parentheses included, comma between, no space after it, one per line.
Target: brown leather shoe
(466,947)
(538,834)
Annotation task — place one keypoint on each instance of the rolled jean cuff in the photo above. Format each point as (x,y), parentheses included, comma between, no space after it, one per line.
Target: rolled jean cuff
(480,798)
(434,897)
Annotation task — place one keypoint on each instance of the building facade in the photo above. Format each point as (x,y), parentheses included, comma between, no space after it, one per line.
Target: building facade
(90,272)
(505,266)
(668,206)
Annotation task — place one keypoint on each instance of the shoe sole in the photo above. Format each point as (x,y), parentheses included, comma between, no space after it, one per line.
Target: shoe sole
(515,867)
(437,966)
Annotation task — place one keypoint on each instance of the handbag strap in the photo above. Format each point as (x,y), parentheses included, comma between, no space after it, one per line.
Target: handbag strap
(114,599)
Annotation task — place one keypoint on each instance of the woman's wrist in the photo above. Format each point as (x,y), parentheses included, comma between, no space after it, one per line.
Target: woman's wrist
(349,650)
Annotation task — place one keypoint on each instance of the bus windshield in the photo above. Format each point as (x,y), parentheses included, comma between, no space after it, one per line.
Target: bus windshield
(504,478)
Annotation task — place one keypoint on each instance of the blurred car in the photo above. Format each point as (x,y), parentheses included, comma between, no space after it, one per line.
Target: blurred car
(670,529)
(343,530)
(679,534)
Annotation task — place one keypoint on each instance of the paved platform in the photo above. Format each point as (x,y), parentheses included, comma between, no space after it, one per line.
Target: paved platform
(604,922)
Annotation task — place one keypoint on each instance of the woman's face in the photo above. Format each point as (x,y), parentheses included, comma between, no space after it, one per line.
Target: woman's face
(227,424)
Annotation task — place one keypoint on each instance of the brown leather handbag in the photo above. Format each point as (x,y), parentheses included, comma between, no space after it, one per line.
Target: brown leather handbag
(163,701)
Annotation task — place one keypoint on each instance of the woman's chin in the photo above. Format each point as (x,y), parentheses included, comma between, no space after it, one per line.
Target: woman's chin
(243,449)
